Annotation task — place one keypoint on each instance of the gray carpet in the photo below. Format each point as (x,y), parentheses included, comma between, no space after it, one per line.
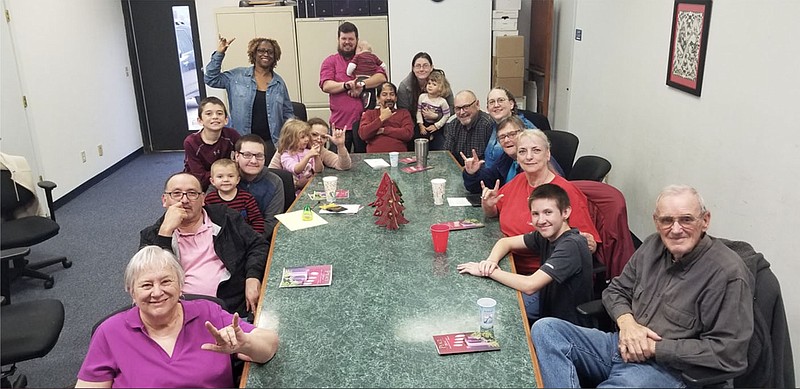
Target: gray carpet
(99,233)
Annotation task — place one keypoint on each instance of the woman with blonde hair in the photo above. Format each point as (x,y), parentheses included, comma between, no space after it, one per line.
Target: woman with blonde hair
(167,342)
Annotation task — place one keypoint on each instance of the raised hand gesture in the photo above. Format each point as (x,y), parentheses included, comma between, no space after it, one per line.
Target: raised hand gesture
(491,196)
(223,44)
(472,164)
(228,340)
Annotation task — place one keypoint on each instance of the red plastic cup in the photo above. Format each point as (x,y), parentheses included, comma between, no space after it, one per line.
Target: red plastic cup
(440,233)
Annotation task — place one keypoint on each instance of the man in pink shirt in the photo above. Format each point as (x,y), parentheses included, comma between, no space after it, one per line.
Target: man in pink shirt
(345,101)
(220,253)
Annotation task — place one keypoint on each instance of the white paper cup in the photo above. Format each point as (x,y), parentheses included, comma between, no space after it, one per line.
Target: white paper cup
(330,183)
(486,307)
(437,184)
(393,157)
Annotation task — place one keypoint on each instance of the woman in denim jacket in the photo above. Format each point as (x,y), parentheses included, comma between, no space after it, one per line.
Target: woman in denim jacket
(257,96)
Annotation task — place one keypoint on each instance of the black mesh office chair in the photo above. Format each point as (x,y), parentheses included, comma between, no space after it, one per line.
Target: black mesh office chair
(18,234)
(300,111)
(30,330)
(540,121)
(590,167)
(288,187)
(563,147)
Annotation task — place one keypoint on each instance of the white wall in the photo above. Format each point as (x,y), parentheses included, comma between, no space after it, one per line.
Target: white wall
(71,59)
(738,143)
(15,139)
(456,33)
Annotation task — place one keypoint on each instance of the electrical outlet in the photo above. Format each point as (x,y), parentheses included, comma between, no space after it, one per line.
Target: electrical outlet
(100,150)
(83,156)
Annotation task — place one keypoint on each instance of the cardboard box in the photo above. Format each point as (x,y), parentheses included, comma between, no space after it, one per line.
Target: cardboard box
(495,34)
(504,24)
(508,67)
(505,13)
(513,84)
(508,4)
(509,46)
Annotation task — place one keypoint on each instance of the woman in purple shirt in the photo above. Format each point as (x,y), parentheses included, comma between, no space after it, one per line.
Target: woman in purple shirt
(166,342)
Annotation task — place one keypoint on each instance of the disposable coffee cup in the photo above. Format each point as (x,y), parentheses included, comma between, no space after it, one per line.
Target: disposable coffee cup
(394,156)
(437,185)
(330,183)
(421,151)
(486,307)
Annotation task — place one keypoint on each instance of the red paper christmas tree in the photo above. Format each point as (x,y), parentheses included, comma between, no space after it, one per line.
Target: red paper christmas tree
(389,205)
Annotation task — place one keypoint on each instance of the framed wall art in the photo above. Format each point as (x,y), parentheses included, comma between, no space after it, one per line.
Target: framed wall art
(687,48)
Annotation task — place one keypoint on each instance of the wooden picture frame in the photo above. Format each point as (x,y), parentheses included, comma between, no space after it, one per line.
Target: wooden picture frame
(687,47)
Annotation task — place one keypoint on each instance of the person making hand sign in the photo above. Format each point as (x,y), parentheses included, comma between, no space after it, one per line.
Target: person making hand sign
(386,128)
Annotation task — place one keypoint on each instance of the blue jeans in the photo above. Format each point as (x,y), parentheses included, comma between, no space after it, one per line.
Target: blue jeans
(531,306)
(566,351)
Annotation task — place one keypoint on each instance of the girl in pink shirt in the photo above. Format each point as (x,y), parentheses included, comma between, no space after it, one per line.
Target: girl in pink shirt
(295,156)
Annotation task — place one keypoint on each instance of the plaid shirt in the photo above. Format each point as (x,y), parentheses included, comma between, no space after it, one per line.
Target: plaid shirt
(462,139)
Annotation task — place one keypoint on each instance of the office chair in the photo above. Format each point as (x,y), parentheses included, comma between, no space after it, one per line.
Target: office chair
(17,234)
(300,111)
(288,187)
(540,121)
(563,147)
(590,167)
(359,146)
(30,330)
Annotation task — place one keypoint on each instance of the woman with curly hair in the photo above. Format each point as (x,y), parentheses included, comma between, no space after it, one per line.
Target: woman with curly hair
(257,96)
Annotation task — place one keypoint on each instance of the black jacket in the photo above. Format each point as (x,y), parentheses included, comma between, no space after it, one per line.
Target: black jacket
(241,249)
(770,362)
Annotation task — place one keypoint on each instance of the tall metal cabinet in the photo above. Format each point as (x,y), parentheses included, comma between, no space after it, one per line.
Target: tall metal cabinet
(317,39)
(276,23)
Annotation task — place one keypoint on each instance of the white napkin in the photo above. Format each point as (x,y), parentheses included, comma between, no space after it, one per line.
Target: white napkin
(377,163)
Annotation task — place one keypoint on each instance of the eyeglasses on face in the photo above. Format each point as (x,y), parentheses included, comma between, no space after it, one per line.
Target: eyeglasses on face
(465,106)
(265,51)
(248,155)
(684,221)
(501,100)
(177,195)
(422,66)
(508,135)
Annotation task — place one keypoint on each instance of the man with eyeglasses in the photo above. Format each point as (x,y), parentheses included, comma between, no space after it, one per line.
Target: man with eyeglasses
(471,129)
(220,253)
(264,185)
(345,101)
(684,299)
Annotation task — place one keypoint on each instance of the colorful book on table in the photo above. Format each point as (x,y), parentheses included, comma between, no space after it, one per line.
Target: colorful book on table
(297,277)
(319,195)
(415,169)
(465,342)
(464,224)
(408,160)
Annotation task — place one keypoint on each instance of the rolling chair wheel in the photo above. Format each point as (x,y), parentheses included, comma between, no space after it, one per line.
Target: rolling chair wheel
(66,263)
(48,283)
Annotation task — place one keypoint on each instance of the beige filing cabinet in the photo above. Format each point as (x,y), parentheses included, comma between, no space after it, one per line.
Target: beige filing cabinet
(276,23)
(317,39)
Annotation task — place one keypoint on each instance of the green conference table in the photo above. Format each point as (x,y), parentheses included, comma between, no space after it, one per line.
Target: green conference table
(374,325)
